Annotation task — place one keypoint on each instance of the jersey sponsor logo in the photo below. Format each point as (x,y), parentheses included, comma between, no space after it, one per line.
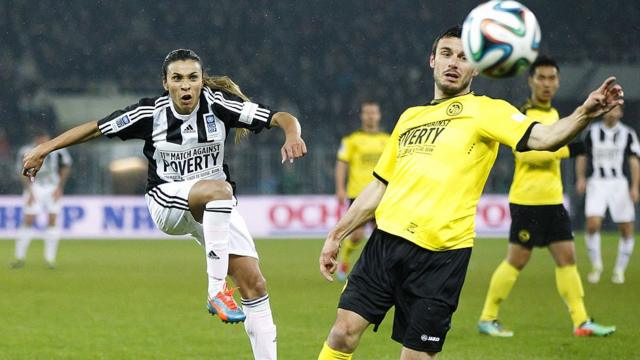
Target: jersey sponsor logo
(455,108)
(122,122)
(421,139)
(189,129)
(194,163)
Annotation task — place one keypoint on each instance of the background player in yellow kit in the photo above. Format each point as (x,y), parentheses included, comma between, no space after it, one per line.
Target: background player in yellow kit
(428,183)
(358,154)
(538,216)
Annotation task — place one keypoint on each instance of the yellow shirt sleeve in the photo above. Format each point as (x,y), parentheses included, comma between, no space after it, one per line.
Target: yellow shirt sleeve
(345,152)
(387,162)
(502,122)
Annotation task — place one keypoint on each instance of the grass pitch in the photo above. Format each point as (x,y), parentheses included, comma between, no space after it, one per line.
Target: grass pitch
(146,300)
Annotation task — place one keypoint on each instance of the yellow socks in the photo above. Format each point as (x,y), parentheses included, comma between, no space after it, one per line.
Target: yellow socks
(328,353)
(501,284)
(570,289)
(348,247)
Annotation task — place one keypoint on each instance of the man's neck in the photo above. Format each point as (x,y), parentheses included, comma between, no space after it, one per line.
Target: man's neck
(439,95)
(539,103)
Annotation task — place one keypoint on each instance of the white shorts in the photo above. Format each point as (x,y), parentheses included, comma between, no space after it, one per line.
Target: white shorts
(169,209)
(612,194)
(43,200)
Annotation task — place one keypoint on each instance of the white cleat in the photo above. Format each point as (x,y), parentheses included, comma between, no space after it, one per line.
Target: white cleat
(594,276)
(618,277)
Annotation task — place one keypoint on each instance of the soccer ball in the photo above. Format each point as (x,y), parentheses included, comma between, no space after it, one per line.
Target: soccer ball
(501,38)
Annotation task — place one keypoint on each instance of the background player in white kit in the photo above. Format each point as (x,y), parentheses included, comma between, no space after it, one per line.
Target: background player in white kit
(189,190)
(600,173)
(42,197)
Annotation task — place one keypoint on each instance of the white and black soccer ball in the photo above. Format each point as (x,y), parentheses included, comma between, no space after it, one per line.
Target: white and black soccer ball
(501,38)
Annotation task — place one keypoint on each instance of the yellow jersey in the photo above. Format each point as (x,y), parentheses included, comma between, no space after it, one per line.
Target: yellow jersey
(537,179)
(436,164)
(361,150)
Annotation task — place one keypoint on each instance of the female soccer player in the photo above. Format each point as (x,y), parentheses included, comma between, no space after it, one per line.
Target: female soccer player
(189,189)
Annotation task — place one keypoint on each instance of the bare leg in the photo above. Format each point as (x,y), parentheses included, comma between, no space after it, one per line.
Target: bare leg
(346,331)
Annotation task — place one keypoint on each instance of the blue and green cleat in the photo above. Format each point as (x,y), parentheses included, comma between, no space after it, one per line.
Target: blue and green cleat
(224,306)
(493,328)
(592,328)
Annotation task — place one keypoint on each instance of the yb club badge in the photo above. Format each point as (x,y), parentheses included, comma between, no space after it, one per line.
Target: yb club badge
(524,235)
(454,108)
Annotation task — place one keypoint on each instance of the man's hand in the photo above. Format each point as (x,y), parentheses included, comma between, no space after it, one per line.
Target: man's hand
(635,195)
(328,257)
(293,148)
(32,161)
(581,186)
(603,99)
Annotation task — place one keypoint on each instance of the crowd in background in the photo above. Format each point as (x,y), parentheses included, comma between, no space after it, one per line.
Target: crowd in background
(316,59)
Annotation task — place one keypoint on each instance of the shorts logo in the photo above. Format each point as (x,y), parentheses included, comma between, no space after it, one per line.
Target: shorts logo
(122,121)
(213,255)
(426,338)
(454,109)
(524,235)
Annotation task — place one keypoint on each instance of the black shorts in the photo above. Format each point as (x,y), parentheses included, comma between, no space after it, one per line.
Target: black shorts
(539,225)
(423,285)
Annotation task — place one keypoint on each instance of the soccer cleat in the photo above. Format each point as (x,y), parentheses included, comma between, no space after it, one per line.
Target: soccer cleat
(225,306)
(51,265)
(617,277)
(592,328)
(493,328)
(18,264)
(343,269)
(594,276)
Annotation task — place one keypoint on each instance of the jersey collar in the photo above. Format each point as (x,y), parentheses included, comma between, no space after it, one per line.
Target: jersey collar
(531,105)
(440,101)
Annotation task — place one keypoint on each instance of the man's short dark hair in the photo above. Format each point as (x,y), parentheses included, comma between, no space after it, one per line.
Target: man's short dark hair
(452,32)
(542,60)
(369,102)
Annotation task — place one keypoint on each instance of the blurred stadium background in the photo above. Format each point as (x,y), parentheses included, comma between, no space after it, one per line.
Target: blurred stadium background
(65,62)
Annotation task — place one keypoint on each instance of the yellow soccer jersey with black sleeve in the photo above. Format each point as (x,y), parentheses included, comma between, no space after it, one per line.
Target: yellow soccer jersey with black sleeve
(361,150)
(537,179)
(436,164)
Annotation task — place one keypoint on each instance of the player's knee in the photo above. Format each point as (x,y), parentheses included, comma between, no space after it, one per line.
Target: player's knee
(343,337)
(211,190)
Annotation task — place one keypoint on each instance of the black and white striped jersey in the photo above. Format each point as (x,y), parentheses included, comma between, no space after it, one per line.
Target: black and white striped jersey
(608,148)
(185,147)
(49,173)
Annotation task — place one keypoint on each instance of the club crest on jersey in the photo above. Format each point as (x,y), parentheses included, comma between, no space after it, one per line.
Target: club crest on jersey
(454,108)
(122,122)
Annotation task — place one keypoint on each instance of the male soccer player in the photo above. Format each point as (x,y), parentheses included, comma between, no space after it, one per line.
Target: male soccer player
(607,144)
(538,217)
(42,195)
(428,182)
(358,154)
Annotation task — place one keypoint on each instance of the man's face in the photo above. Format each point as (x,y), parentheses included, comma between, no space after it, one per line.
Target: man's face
(544,83)
(451,70)
(615,114)
(184,83)
(370,115)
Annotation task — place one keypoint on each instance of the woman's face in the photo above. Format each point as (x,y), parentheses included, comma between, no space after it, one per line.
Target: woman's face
(184,83)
